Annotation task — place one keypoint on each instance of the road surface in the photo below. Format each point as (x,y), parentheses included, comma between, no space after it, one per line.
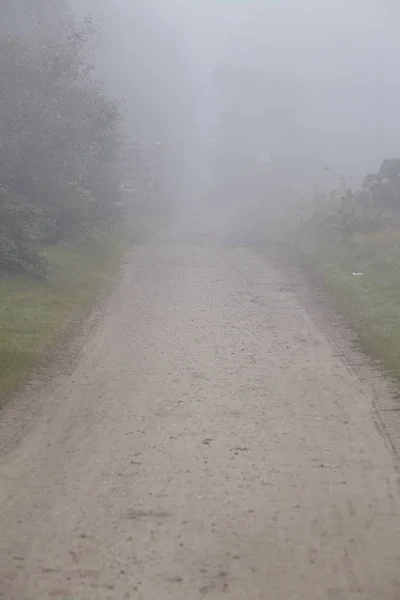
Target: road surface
(212,440)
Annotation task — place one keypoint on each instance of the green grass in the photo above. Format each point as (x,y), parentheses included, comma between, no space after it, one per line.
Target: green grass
(33,313)
(371,300)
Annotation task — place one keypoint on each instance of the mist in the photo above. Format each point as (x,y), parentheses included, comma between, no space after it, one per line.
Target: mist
(306,85)
(326,70)
(199,299)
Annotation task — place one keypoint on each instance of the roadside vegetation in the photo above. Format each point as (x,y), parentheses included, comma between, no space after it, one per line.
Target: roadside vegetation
(351,240)
(36,313)
(65,217)
(59,136)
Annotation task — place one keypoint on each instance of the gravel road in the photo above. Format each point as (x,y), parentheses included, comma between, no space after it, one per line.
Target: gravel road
(212,440)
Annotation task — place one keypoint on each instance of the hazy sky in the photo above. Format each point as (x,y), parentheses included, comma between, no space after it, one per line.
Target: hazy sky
(340,55)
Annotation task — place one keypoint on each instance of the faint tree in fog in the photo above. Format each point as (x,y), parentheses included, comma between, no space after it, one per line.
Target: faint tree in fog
(58,130)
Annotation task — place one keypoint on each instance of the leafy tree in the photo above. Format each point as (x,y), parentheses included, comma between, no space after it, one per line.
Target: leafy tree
(382,189)
(59,132)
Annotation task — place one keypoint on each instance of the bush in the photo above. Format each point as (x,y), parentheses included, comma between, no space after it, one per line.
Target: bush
(17,239)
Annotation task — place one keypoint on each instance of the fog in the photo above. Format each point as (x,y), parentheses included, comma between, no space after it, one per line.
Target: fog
(250,101)
(192,195)
(332,65)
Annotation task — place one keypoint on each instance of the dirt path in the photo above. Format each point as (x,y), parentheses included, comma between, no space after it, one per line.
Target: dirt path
(212,441)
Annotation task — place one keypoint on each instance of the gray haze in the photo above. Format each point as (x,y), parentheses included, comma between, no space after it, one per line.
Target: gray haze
(193,419)
(327,70)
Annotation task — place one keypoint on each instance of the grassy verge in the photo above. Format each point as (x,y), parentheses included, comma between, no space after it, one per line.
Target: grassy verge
(362,275)
(33,313)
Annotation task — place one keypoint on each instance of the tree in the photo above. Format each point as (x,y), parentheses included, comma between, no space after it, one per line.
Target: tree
(59,134)
(383,188)
(256,143)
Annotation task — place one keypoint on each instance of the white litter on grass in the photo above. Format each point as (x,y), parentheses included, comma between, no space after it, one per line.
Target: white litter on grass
(357,274)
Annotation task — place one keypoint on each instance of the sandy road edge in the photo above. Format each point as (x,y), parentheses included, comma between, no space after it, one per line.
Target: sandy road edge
(309,290)
(24,406)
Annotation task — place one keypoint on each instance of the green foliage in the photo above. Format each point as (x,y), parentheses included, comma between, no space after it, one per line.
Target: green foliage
(383,188)
(35,314)
(343,213)
(351,241)
(17,239)
(59,136)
